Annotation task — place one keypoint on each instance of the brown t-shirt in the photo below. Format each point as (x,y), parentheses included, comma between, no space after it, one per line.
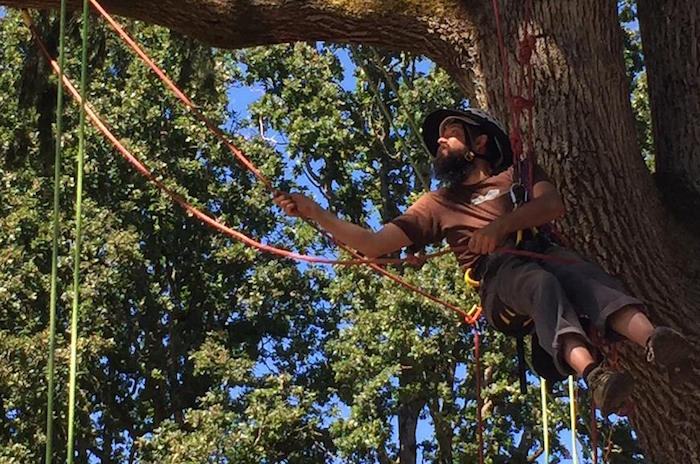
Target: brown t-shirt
(455,213)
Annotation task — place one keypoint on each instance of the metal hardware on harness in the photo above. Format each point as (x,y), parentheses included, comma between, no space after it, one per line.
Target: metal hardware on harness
(518,194)
(509,322)
(474,314)
(470,280)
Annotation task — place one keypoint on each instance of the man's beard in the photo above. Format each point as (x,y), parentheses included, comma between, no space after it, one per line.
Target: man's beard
(451,169)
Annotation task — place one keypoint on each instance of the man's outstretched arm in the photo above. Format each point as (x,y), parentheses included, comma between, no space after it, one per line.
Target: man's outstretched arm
(371,244)
(545,206)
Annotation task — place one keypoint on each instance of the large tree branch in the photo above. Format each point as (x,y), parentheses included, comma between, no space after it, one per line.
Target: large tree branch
(408,25)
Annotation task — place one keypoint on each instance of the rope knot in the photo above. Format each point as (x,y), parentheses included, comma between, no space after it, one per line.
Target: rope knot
(526,48)
(520,103)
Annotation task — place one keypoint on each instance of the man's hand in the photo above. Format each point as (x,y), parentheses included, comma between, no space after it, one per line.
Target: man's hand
(296,204)
(485,241)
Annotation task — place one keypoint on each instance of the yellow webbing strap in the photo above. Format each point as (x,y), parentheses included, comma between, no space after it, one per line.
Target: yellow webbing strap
(545,423)
(572,410)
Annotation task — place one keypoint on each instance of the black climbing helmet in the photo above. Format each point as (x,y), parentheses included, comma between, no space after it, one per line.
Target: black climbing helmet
(500,153)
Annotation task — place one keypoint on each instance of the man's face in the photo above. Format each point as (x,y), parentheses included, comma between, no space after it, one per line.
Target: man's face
(452,141)
(450,164)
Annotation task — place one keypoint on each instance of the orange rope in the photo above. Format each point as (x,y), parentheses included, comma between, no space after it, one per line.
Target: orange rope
(479,402)
(373,263)
(250,166)
(193,211)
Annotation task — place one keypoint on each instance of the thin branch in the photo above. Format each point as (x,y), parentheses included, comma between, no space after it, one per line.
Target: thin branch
(389,118)
(402,103)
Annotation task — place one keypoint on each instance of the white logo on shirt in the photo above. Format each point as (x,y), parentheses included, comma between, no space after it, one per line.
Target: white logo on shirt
(490,195)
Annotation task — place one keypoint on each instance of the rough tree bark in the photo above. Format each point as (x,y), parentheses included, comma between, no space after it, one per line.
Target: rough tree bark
(671,41)
(584,130)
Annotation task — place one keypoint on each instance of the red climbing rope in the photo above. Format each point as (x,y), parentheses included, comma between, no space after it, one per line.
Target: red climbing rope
(479,402)
(249,165)
(518,103)
(193,211)
(373,263)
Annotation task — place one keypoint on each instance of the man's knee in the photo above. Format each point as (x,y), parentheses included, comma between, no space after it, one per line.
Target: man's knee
(531,291)
(543,285)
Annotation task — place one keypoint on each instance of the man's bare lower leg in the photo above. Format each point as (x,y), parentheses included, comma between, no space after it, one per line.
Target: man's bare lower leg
(576,353)
(632,323)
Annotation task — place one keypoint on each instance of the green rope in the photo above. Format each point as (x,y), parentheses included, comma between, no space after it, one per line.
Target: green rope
(78,231)
(54,251)
(545,423)
(572,411)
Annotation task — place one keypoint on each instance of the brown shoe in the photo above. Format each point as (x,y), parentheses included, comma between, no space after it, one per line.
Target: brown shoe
(668,348)
(610,389)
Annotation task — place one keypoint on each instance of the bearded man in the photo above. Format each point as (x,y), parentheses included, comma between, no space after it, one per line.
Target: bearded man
(479,212)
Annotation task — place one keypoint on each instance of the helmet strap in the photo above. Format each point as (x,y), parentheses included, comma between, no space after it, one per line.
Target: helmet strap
(471,154)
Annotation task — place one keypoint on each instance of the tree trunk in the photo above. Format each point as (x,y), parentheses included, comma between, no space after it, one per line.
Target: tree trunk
(671,40)
(585,137)
(409,410)
(584,132)
(442,413)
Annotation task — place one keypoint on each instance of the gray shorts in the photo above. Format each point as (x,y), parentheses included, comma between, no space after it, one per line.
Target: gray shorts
(555,295)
